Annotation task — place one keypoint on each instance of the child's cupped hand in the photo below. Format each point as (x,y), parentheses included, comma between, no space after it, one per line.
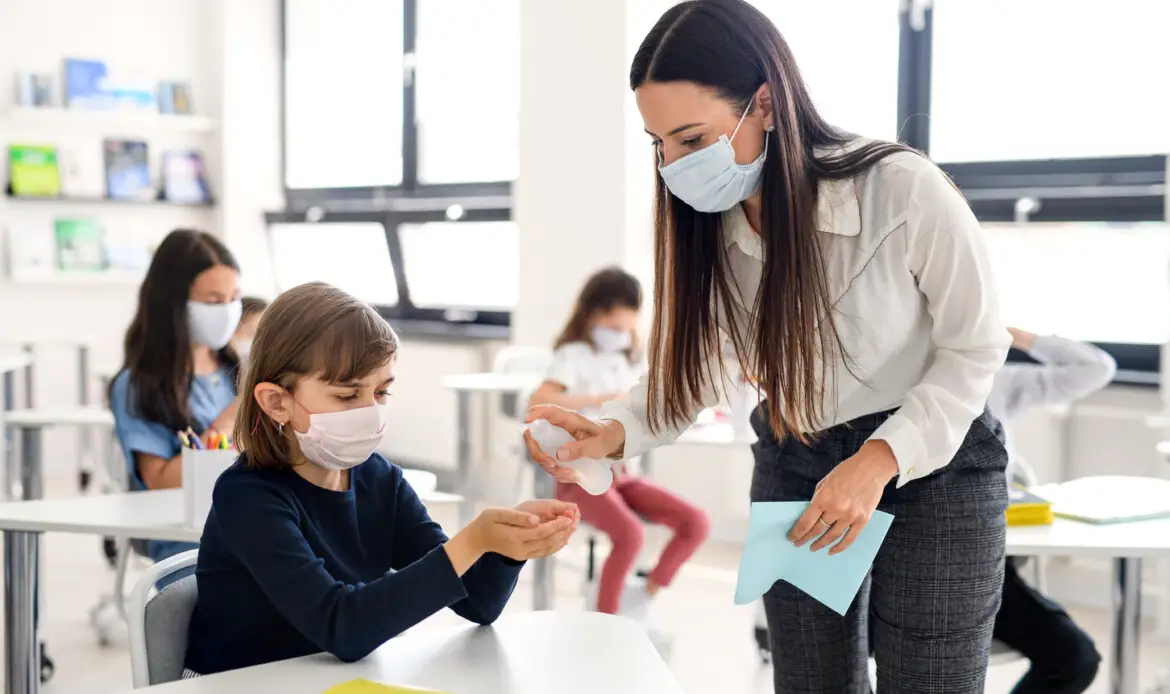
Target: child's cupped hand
(524,533)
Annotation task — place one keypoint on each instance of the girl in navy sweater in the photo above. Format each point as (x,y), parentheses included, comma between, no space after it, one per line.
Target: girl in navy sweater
(314,541)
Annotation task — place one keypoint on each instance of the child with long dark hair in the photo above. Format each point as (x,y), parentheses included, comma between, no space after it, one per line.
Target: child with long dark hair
(179,370)
(597,359)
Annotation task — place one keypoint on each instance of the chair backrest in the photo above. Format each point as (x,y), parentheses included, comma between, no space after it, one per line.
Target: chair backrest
(519,359)
(158,622)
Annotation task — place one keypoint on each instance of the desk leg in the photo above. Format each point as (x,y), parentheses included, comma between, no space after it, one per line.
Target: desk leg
(1127,611)
(8,445)
(463,460)
(22,670)
(32,479)
(543,570)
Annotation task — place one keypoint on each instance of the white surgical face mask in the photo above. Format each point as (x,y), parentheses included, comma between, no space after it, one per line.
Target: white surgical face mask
(610,340)
(341,440)
(710,180)
(213,324)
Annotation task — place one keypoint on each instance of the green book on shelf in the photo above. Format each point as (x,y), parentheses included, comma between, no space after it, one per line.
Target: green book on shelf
(80,246)
(33,171)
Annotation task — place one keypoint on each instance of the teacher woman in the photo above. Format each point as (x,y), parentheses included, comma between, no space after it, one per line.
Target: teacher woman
(851,280)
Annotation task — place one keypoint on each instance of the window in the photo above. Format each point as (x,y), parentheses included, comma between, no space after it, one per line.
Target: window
(462,265)
(1042,79)
(1095,282)
(468,90)
(343,93)
(352,256)
(847,51)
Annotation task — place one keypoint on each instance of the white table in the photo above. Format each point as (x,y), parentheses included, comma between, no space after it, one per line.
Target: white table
(29,425)
(152,515)
(1127,544)
(146,515)
(530,653)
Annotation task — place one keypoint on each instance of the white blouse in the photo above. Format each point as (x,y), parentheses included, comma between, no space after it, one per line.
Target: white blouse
(915,307)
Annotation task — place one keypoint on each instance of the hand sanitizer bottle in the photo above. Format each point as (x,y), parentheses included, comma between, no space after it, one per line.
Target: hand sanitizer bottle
(596,475)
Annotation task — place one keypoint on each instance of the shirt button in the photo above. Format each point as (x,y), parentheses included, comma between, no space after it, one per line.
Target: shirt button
(910,471)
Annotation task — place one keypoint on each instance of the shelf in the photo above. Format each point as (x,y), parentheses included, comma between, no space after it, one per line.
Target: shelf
(100,278)
(115,121)
(107,201)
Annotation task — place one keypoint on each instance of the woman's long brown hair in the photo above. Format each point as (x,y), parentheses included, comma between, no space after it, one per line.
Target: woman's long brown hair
(733,49)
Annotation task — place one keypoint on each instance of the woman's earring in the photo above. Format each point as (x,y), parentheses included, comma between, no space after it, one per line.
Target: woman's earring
(280,428)
(771,128)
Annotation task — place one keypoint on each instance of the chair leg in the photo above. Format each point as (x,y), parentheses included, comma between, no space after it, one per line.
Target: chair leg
(591,559)
(120,577)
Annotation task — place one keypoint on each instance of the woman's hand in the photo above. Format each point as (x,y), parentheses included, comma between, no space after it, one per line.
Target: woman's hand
(597,440)
(846,498)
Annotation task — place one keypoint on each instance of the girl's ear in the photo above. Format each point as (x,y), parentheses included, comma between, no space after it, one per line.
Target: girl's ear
(275,401)
(764,103)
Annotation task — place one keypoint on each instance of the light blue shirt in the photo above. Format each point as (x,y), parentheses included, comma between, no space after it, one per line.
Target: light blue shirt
(210,395)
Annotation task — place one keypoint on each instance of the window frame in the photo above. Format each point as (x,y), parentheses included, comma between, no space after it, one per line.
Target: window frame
(409,202)
(1104,189)
(408,319)
(378,197)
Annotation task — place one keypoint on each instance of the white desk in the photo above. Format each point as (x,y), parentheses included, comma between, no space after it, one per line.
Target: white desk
(14,360)
(29,425)
(530,653)
(156,515)
(1126,544)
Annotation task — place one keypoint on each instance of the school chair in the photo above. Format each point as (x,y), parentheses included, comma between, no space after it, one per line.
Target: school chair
(159,620)
(110,611)
(518,359)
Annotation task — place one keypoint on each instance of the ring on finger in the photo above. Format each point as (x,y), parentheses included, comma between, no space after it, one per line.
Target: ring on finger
(822,521)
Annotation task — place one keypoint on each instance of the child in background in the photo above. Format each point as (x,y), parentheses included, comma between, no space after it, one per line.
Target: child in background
(597,359)
(179,371)
(315,542)
(253,308)
(1063,657)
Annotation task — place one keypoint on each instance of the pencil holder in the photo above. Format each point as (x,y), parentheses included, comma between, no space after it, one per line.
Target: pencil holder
(201,468)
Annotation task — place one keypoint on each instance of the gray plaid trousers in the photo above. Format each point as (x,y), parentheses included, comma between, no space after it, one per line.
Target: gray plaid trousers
(936,583)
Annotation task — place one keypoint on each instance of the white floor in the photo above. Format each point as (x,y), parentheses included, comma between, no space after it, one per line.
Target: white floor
(713,650)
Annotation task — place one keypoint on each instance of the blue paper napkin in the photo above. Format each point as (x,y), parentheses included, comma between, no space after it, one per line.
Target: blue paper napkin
(769,556)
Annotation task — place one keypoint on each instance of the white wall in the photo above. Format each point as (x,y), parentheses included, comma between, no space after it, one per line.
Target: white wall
(228,52)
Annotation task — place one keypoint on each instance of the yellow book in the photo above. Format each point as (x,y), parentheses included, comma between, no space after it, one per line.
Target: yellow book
(1026,508)
(360,686)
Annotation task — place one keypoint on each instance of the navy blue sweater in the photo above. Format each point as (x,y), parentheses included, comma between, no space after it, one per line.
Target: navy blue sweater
(287,568)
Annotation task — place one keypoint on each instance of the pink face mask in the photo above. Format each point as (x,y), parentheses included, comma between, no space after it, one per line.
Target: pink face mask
(341,440)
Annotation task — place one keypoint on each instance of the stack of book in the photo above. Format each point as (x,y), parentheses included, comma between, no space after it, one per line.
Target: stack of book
(1026,508)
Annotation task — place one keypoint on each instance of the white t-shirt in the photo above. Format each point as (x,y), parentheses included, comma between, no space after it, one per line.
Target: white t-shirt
(583,370)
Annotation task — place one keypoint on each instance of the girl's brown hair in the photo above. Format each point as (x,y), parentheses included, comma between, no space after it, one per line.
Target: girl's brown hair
(252,305)
(607,289)
(791,329)
(311,330)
